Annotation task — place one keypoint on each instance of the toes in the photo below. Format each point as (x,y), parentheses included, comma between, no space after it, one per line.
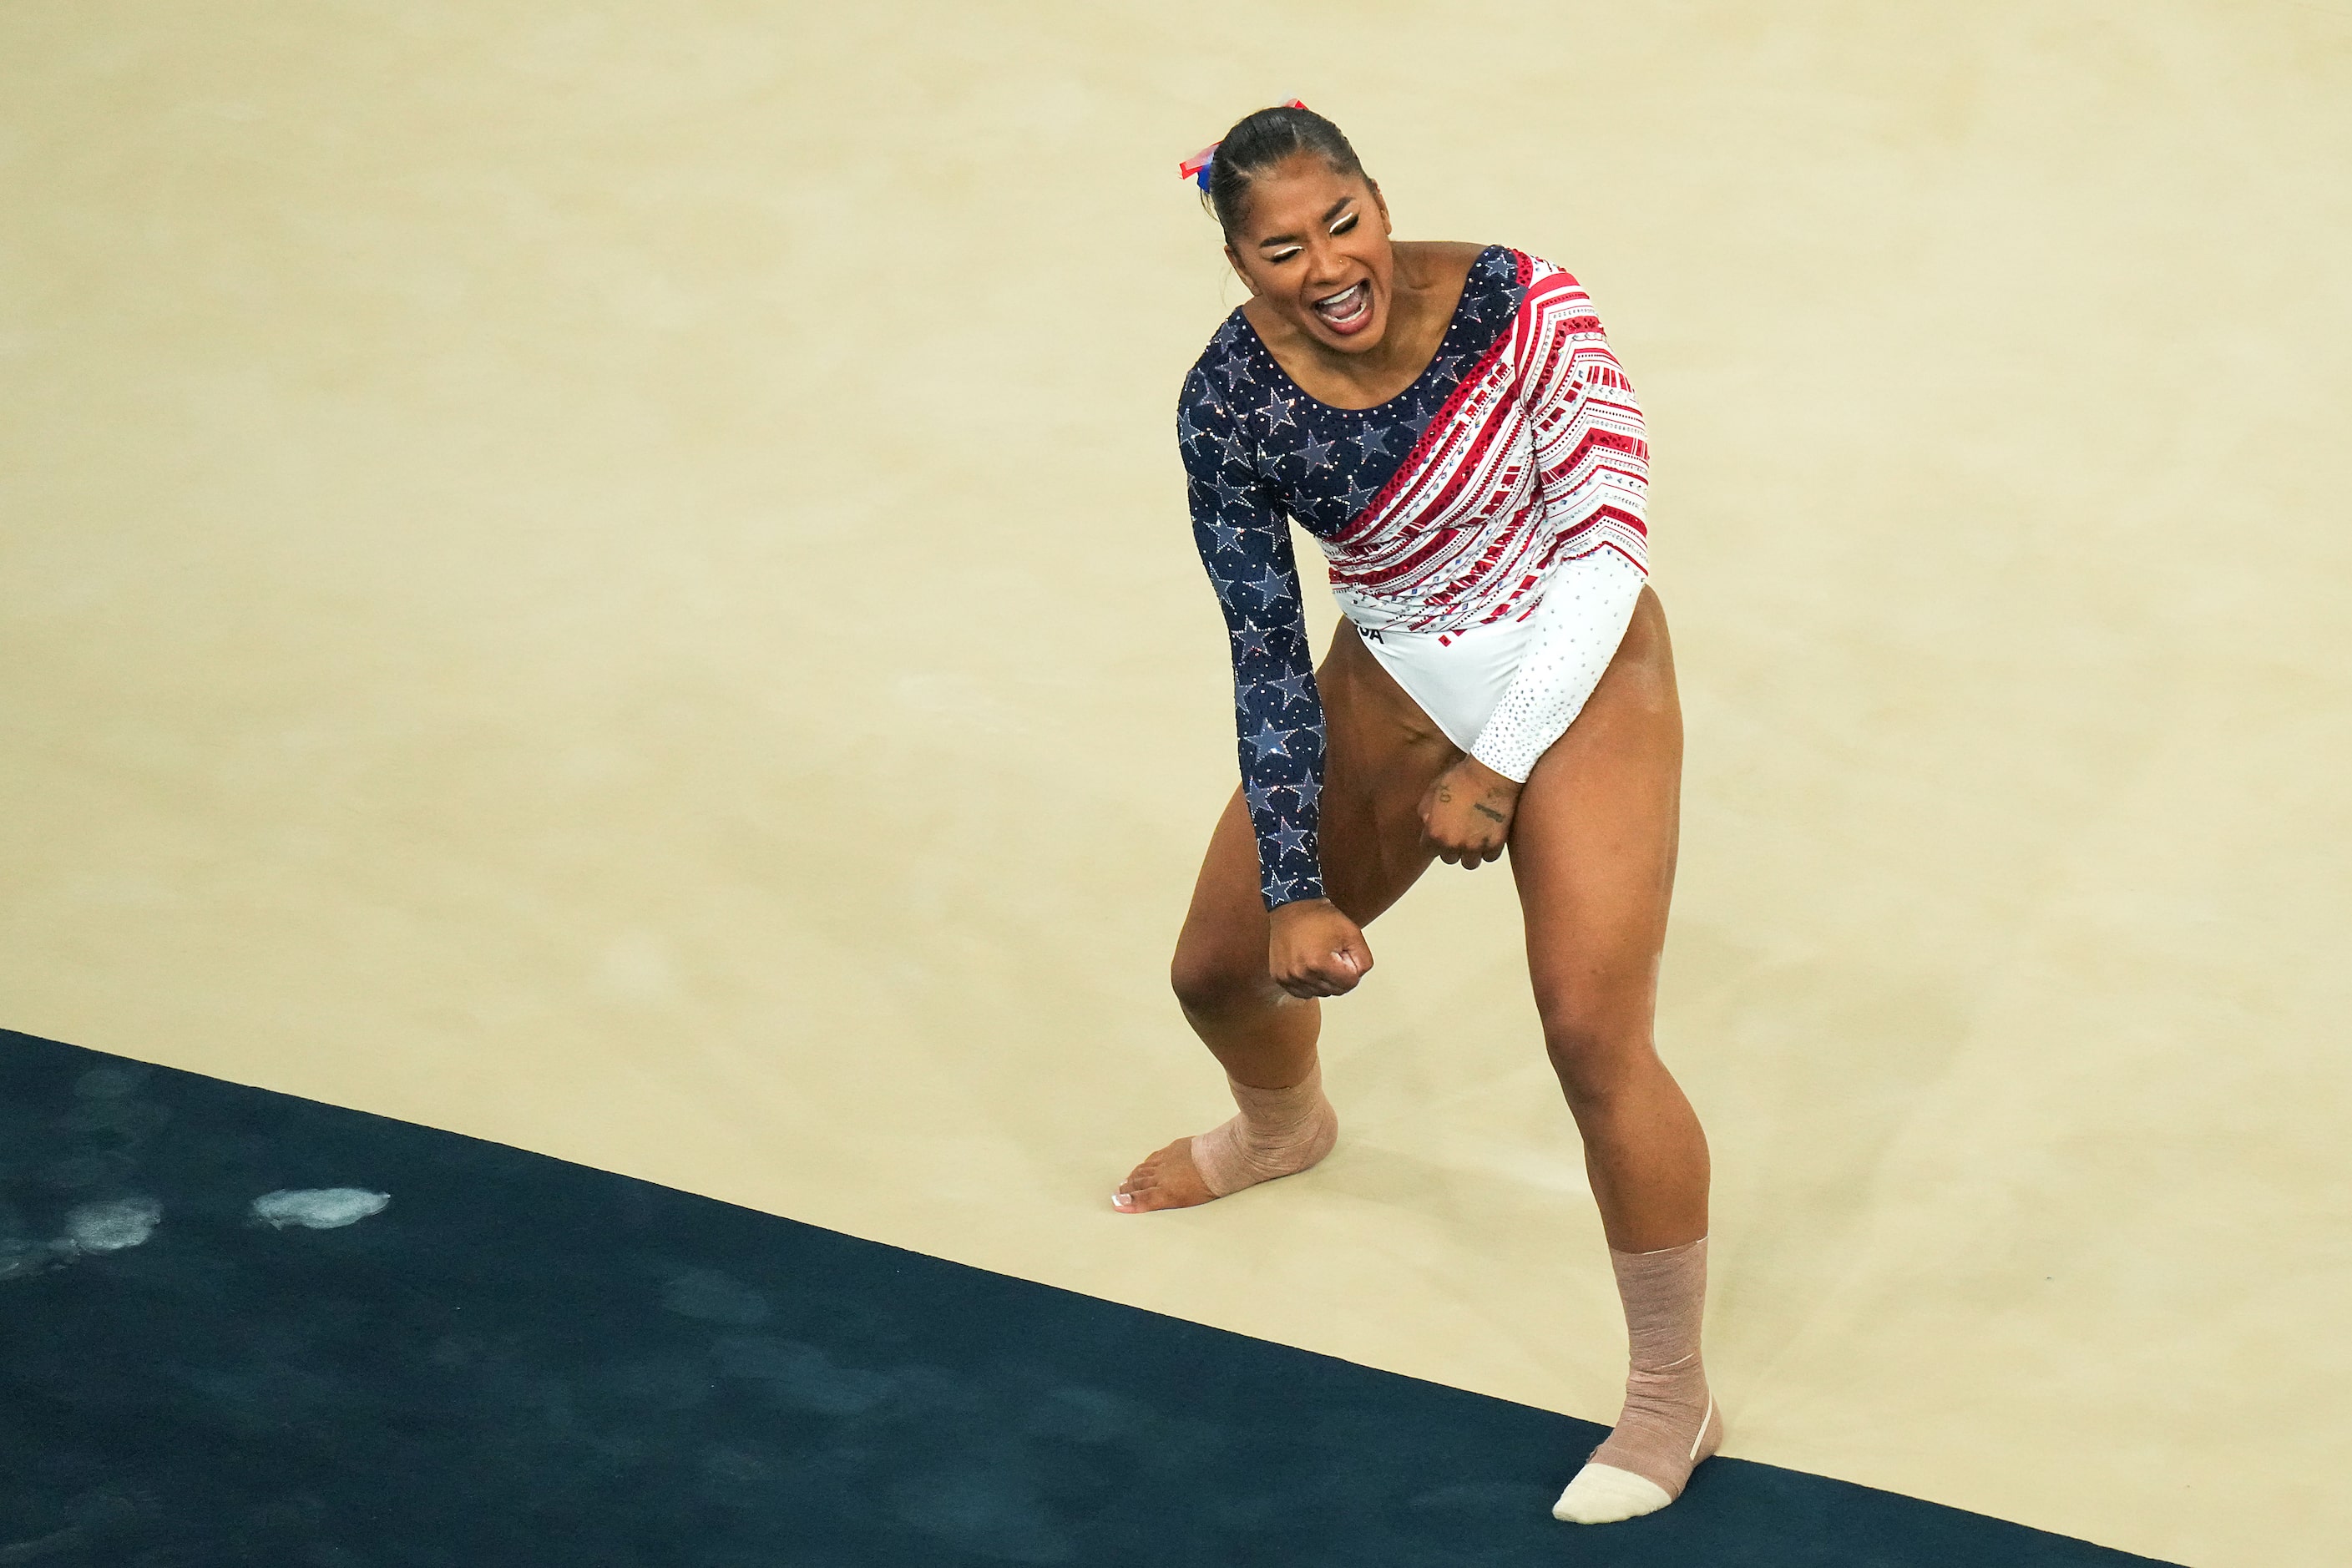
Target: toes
(1135,1192)
(1159,1182)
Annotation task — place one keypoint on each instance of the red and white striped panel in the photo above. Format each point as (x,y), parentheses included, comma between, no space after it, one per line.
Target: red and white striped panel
(1537,456)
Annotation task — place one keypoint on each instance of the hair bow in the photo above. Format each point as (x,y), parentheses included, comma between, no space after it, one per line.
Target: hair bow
(1196,167)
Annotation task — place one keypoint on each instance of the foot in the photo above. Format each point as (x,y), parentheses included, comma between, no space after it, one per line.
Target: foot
(1168,1180)
(1279,1132)
(1654,1455)
(1603,1494)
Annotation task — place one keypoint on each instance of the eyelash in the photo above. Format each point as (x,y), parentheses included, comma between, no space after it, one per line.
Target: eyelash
(1342,227)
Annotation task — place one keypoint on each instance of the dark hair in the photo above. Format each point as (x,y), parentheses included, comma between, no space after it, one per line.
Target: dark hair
(1257,142)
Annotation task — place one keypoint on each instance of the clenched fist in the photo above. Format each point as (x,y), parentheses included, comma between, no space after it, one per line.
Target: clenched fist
(1466,815)
(1315,950)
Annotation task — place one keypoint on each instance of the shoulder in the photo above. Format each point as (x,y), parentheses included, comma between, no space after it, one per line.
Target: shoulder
(1548,303)
(1210,407)
(1540,283)
(1521,274)
(1483,269)
(1219,375)
(1222,364)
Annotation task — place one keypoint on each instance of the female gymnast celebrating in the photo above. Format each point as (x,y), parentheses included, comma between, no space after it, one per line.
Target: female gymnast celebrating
(1448,422)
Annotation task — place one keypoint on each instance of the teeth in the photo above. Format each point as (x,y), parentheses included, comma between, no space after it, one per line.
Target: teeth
(1345,296)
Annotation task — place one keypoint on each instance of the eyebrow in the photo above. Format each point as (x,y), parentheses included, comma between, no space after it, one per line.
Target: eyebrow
(1334,211)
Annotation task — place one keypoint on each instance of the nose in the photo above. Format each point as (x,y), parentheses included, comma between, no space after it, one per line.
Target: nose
(1325,266)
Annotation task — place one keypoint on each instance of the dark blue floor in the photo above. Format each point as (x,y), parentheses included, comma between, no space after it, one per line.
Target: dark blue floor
(522,1362)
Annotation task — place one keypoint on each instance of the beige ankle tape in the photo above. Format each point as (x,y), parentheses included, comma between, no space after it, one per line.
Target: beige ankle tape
(1670,1422)
(1279,1132)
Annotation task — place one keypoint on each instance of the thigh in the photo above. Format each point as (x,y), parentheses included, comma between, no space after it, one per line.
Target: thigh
(1593,842)
(1380,752)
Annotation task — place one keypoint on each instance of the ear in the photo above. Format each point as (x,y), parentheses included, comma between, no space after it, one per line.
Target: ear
(1233,259)
(1381,201)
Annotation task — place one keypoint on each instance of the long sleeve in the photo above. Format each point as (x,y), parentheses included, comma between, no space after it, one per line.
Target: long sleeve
(1244,543)
(1592,463)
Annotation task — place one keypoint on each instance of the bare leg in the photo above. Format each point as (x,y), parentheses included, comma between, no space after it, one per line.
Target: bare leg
(1592,847)
(1380,752)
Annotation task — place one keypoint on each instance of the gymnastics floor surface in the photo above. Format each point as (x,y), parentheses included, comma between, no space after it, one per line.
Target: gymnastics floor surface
(520,1361)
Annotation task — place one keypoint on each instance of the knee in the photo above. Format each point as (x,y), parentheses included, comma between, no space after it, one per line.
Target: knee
(1597,1049)
(1208,982)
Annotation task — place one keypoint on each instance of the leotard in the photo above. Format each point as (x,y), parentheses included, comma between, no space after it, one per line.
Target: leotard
(1454,518)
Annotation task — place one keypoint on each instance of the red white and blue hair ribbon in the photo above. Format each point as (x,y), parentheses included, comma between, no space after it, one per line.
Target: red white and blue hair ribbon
(1196,167)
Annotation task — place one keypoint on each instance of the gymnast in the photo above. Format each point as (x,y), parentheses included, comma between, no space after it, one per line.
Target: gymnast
(1449,423)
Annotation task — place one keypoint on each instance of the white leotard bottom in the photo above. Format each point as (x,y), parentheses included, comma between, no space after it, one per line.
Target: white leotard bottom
(1458,678)
(1505,691)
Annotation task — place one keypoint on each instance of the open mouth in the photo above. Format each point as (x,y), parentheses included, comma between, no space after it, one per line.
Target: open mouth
(1349,310)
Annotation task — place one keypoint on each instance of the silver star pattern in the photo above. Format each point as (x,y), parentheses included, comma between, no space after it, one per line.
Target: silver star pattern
(1296,687)
(1271,741)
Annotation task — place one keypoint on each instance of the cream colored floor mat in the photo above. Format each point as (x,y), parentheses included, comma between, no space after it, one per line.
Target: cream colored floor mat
(616,580)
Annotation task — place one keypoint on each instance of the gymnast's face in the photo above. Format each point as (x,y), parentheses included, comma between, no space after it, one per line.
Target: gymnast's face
(1314,246)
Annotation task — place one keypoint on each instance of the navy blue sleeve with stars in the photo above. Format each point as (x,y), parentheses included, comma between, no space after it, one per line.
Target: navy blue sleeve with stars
(1244,542)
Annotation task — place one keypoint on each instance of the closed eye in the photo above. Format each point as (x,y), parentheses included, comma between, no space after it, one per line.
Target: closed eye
(1338,219)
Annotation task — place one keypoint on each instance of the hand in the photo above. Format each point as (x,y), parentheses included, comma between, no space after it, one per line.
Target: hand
(1315,950)
(1466,817)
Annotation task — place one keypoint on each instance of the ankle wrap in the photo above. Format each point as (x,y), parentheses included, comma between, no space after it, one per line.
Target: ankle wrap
(1279,1132)
(1670,1422)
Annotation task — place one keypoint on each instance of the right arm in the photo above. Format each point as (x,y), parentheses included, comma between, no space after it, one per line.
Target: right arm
(1245,544)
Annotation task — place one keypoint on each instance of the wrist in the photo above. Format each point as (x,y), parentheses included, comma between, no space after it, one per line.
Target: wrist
(1486,782)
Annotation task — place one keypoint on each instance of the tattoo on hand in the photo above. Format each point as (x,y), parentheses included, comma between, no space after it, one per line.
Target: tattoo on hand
(1483,809)
(1444,795)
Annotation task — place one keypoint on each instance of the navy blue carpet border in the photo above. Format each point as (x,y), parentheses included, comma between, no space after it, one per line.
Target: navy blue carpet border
(521,1361)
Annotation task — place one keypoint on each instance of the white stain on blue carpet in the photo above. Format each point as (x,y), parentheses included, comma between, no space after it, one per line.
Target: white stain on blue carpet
(318,1208)
(111,1227)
